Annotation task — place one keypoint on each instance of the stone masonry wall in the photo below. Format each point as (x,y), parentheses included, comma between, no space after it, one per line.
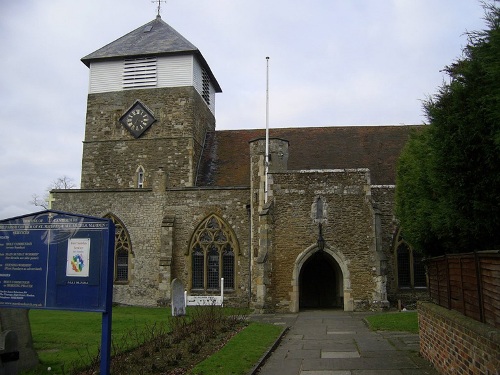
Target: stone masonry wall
(383,200)
(144,213)
(190,207)
(114,164)
(141,212)
(111,155)
(456,344)
(348,230)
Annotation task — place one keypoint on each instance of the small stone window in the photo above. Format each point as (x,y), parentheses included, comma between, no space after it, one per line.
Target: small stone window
(213,255)
(123,250)
(410,269)
(140,177)
(319,210)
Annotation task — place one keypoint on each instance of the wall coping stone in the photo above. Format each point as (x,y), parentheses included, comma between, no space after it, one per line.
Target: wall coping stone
(457,319)
(149,190)
(102,190)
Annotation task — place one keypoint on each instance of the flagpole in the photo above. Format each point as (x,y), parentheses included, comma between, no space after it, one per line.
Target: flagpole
(267,133)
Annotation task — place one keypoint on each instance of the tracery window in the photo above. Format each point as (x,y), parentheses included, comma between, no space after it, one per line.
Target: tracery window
(410,269)
(123,250)
(213,249)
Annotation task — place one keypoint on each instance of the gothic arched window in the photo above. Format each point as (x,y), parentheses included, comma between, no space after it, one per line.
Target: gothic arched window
(410,269)
(213,248)
(140,177)
(123,250)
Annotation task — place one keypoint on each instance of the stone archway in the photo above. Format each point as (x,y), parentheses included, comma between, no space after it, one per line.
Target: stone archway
(320,282)
(327,268)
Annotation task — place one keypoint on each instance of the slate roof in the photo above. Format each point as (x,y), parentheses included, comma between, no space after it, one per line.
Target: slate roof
(226,157)
(156,38)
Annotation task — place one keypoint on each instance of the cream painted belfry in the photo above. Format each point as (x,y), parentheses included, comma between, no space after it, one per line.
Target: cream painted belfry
(170,71)
(152,56)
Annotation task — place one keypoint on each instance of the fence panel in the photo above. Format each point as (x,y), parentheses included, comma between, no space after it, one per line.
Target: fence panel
(455,277)
(490,277)
(468,283)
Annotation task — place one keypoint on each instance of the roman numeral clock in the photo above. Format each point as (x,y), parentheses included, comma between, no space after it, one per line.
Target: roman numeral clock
(137,119)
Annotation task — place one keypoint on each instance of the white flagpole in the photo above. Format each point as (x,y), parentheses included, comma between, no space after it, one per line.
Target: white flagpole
(267,132)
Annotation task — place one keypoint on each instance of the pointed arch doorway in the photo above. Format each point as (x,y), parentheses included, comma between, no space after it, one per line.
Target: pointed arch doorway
(320,282)
(321,279)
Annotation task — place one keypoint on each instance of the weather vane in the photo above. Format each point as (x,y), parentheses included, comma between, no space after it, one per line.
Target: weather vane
(159,4)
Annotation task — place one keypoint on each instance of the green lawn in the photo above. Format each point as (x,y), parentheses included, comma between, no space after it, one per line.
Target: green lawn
(63,338)
(242,352)
(406,321)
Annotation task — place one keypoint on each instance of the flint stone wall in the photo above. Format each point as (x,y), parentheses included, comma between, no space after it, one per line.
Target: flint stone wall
(142,212)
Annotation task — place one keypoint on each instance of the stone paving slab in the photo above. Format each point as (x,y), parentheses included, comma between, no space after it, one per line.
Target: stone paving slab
(330,345)
(304,354)
(332,342)
(282,367)
(376,372)
(329,354)
(326,372)
(373,344)
(357,364)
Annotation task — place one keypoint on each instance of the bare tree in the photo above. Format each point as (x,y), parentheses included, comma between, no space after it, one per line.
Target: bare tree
(63,182)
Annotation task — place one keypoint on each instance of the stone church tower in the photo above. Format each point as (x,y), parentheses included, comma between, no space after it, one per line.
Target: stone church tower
(188,200)
(151,101)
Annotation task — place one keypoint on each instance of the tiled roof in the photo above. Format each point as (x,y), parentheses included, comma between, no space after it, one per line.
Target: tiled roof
(156,38)
(226,158)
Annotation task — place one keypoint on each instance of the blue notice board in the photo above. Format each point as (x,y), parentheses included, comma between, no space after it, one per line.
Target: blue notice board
(56,260)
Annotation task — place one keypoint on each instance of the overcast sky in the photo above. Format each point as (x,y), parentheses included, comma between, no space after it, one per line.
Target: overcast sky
(332,62)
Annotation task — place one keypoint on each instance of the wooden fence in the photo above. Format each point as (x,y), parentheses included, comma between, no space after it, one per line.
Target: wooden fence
(468,283)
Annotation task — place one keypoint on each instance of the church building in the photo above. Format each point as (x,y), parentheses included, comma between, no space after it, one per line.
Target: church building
(313,227)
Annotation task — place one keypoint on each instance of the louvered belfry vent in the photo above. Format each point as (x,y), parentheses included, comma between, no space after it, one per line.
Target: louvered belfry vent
(205,86)
(139,72)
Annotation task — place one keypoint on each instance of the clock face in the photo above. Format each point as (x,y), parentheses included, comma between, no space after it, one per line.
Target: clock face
(137,119)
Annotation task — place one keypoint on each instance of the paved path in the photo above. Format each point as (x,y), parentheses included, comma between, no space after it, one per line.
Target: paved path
(333,342)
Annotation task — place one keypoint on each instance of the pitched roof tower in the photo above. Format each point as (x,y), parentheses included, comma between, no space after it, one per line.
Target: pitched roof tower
(151,102)
(155,38)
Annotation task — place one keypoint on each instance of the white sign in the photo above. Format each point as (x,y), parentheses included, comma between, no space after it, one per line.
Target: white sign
(206,300)
(78,257)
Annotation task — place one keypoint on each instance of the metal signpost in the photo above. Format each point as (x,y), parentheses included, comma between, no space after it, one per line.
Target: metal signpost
(60,261)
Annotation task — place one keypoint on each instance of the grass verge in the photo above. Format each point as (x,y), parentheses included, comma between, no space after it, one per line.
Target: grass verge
(65,339)
(406,321)
(242,352)
(144,340)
